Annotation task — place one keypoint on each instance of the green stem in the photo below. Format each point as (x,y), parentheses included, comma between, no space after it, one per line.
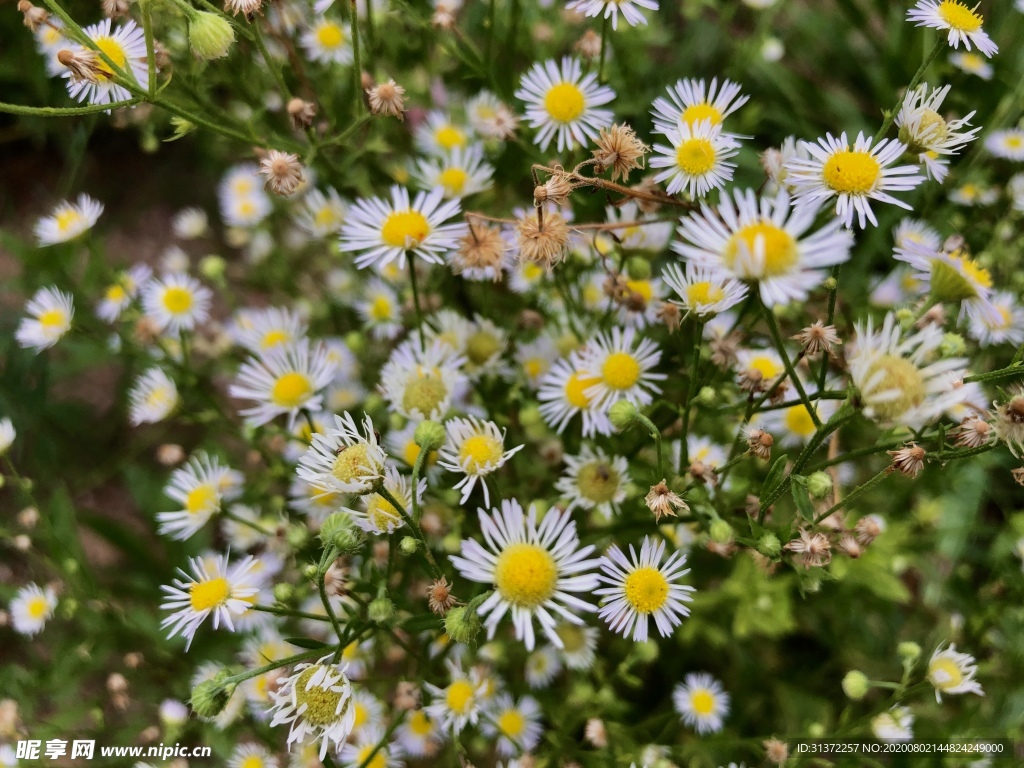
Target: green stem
(147,28)
(91,109)
(656,434)
(275,70)
(413,526)
(289,613)
(357,64)
(241,677)
(856,493)
(773,327)
(691,392)
(833,294)
(243,521)
(890,116)
(604,46)
(321,578)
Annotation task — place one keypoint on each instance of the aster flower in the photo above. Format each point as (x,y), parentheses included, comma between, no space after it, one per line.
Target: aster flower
(283,380)
(693,101)
(259,330)
(213,589)
(376,514)
(951,672)
(696,159)
(68,220)
(176,302)
(125,46)
(199,487)
(50,312)
(474,448)
(343,460)
(153,397)
(594,480)
(314,701)
(621,366)
(962,23)
(326,41)
(122,291)
(562,103)
(460,173)
(31,608)
(438,135)
(702,702)
(1007,144)
(612,8)
(514,725)
(421,382)
(457,705)
(895,724)
(366,750)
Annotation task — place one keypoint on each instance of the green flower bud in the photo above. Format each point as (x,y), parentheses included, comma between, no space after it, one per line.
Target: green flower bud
(909,651)
(396,421)
(283,593)
(819,484)
(953,345)
(337,531)
(310,571)
(721,532)
(530,416)
(381,610)
(71,566)
(69,607)
(707,396)
(855,685)
(769,545)
(182,128)
(210,697)
(461,624)
(212,267)
(409,544)
(830,284)
(209,35)
(297,536)
(622,414)
(355,342)
(429,435)
(638,268)
(904,316)
(646,652)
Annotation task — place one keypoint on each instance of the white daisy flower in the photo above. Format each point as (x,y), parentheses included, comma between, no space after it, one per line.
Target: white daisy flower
(1007,144)
(474,448)
(972,64)
(210,589)
(542,666)
(565,392)
(761,366)
(438,135)
(376,514)
(125,46)
(283,380)
(623,366)
(895,724)
(31,608)
(7,435)
(50,312)
(526,276)
(853,176)
(458,705)
(314,700)
(176,302)
(914,231)
(252,755)
(897,287)
(419,735)
(645,299)
(199,487)
(50,41)
(922,129)
(344,461)
(421,384)
(358,656)
(579,645)
(381,310)
(369,711)
(971,194)
(363,751)
(692,102)
(238,529)
(594,480)
(642,587)
(490,117)
(68,220)
(952,672)
(696,161)
(703,291)
(611,8)
(314,502)
(153,397)
(901,380)
(120,293)
(700,448)
(1004,324)
(322,212)
(562,103)
(774,162)
(952,276)
(259,330)
(702,702)
(190,224)
(482,347)
(243,202)
(534,569)
(460,173)
(327,41)
(386,230)
(514,724)
(962,23)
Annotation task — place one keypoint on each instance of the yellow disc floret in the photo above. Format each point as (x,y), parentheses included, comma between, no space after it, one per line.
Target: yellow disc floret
(424,393)
(321,704)
(177,300)
(576,388)
(291,390)
(900,376)
(702,701)
(564,102)
(479,451)
(620,371)
(353,463)
(944,673)
(778,246)
(695,156)
(698,113)
(405,229)
(646,589)
(959,16)
(851,172)
(526,575)
(459,696)
(207,595)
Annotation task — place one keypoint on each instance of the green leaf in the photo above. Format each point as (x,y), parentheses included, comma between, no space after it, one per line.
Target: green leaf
(305,642)
(801,497)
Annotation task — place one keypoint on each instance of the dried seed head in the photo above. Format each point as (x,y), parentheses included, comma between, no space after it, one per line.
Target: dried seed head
(336,579)
(619,149)
(671,315)
(849,546)
(439,596)
(543,242)
(115,9)
(83,63)
(704,473)
(723,349)
(170,454)
(814,549)
(867,529)
(283,171)
(248,8)
(1018,475)
(407,695)
(817,338)
(387,100)
(908,460)
(33,16)
(1009,424)
(301,112)
(481,248)
(760,443)
(596,733)
(589,46)
(973,432)
(936,316)
(776,751)
(555,190)
(443,18)
(662,501)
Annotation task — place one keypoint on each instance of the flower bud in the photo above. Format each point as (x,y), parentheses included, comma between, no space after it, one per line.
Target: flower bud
(721,532)
(310,571)
(909,651)
(707,396)
(816,730)
(855,685)
(210,36)
(953,345)
(623,414)
(429,435)
(283,593)
(462,624)
(638,268)
(381,610)
(355,342)
(337,531)
(819,484)
(769,545)
(409,544)
(211,696)
(297,536)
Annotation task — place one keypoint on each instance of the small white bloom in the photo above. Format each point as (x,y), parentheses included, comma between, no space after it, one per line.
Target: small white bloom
(951,672)
(474,448)
(702,702)
(153,397)
(176,302)
(50,312)
(284,380)
(962,23)
(315,702)
(31,608)
(697,160)
(562,103)
(68,220)
(210,589)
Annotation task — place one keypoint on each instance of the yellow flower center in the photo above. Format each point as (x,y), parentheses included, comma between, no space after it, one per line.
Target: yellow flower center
(405,229)
(459,696)
(799,421)
(114,51)
(321,705)
(53,318)
(330,35)
(851,173)
(931,129)
(37,607)
(275,337)
(564,102)
(766,366)
(379,760)
(698,113)
(381,308)
(703,293)
(900,375)
(326,218)
(420,724)
(207,595)
(695,156)
(67,218)
(481,346)
(620,370)
(160,397)
(453,180)
(381,513)
(532,272)
(424,393)
(779,247)
(702,702)
(525,575)
(643,287)
(959,16)
(511,722)
(360,715)
(1013,142)
(116,294)
(253,761)
(200,499)
(291,390)
(177,300)
(478,451)
(597,481)
(449,137)
(352,463)
(944,673)
(646,589)
(535,366)
(576,388)
(573,637)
